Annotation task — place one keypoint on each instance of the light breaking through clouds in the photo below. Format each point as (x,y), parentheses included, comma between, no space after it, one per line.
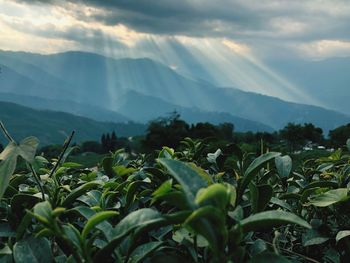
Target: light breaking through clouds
(203,35)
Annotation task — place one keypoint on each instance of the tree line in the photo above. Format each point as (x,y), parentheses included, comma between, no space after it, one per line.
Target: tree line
(172,129)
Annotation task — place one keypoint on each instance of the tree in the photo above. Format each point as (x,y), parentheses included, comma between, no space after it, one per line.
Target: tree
(226,130)
(91,146)
(168,131)
(294,135)
(104,142)
(203,130)
(312,133)
(339,136)
(113,142)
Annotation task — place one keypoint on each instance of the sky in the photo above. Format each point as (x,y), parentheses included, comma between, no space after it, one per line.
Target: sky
(203,37)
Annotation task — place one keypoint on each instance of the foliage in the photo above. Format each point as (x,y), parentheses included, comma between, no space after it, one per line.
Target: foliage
(171,130)
(339,135)
(184,205)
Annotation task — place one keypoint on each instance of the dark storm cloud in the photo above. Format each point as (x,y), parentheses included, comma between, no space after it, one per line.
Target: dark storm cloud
(269,27)
(193,18)
(230,18)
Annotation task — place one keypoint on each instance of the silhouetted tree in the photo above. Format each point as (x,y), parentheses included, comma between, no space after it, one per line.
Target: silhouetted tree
(105,141)
(293,134)
(339,136)
(113,142)
(91,146)
(226,130)
(312,133)
(166,132)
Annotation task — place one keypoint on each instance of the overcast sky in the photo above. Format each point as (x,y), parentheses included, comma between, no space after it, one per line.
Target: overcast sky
(312,29)
(180,33)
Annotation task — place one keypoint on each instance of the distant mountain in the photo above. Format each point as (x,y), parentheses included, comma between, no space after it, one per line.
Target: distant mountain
(327,80)
(53,127)
(92,79)
(272,111)
(80,109)
(130,101)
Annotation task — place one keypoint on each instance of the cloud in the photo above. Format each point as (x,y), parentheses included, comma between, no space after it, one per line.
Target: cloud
(325,49)
(266,27)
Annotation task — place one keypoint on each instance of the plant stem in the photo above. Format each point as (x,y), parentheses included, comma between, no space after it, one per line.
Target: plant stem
(65,147)
(6,133)
(37,179)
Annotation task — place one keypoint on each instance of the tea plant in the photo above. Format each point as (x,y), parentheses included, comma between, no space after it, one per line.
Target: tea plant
(183,206)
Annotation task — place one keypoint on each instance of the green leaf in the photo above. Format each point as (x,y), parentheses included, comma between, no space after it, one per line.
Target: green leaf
(25,222)
(10,151)
(269,257)
(260,196)
(254,197)
(142,251)
(139,218)
(27,148)
(32,250)
(132,192)
(252,170)
(9,155)
(175,198)
(217,195)
(348,144)
(166,153)
(105,227)
(7,168)
(91,198)
(107,164)
(209,222)
(283,165)
(313,237)
(330,197)
(183,235)
(73,235)
(281,203)
(43,212)
(95,220)
(200,171)
(163,189)
(121,170)
(270,219)
(188,178)
(322,184)
(136,219)
(342,234)
(79,192)
(71,165)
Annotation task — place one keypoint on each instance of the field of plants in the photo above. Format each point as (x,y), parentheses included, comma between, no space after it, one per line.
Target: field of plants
(188,205)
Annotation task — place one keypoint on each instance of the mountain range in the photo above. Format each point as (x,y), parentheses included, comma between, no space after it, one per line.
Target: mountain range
(53,127)
(139,90)
(327,81)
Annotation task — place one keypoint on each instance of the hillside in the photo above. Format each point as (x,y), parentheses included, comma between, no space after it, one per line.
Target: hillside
(68,106)
(129,104)
(96,80)
(53,127)
(327,80)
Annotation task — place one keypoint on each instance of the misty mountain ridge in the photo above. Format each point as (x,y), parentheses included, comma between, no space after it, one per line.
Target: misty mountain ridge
(92,79)
(53,127)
